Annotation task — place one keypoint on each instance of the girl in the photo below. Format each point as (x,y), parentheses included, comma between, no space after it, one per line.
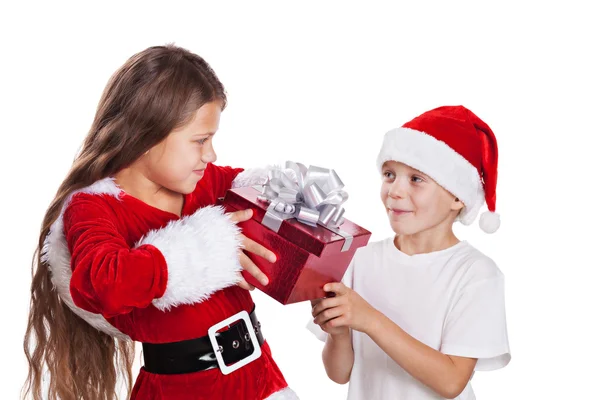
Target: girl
(416,314)
(132,248)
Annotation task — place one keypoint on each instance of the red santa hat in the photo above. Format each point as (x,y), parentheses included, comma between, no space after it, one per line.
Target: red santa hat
(456,149)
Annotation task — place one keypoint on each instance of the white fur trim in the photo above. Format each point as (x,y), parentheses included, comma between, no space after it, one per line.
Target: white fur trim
(250,177)
(284,394)
(438,160)
(259,176)
(56,254)
(201,251)
(489,222)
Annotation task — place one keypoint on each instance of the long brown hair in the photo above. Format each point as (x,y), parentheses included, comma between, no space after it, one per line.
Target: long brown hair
(153,93)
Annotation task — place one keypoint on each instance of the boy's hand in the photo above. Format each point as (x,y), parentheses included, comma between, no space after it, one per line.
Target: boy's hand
(346,310)
(333,331)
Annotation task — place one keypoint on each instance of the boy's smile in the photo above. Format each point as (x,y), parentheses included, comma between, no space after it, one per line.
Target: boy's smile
(414,201)
(398,212)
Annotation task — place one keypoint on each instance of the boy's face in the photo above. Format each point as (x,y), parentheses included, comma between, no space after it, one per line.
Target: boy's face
(414,202)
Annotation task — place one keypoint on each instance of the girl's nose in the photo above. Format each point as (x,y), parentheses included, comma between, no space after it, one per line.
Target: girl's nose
(208,155)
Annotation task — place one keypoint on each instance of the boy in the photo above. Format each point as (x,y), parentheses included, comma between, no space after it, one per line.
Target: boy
(418,313)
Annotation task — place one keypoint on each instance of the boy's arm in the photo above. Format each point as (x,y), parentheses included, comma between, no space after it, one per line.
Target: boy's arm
(446,375)
(338,354)
(338,357)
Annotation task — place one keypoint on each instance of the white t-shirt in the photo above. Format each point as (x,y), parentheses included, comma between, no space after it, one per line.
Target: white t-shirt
(452,300)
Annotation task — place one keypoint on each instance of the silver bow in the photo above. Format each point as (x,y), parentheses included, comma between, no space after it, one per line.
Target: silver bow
(315,198)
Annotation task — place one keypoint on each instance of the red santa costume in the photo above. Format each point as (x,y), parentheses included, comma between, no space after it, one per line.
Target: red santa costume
(130,269)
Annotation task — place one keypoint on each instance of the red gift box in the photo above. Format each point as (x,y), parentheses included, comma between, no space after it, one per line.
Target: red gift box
(308,257)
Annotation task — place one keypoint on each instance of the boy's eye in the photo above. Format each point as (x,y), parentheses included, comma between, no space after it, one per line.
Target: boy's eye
(201,141)
(388,175)
(417,179)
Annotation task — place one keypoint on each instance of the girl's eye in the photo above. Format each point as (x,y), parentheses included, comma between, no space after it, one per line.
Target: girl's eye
(201,141)
(417,179)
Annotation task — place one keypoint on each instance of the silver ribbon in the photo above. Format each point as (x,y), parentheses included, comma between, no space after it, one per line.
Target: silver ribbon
(315,199)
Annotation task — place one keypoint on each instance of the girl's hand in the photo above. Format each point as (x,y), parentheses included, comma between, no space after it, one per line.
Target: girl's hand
(346,310)
(253,247)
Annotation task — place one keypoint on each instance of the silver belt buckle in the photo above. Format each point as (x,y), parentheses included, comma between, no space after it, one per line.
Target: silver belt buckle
(212,335)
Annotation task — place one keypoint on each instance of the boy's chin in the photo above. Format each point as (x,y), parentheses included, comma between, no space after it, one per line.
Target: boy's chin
(403,229)
(408,228)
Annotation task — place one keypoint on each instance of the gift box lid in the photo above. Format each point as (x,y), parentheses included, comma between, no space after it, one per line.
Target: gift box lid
(313,239)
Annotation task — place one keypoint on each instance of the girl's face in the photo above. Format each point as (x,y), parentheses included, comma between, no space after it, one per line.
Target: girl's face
(414,202)
(178,162)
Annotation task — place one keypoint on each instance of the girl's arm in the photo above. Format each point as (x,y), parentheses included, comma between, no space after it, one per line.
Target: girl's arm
(182,263)
(218,179)
(221,178)
(446,375)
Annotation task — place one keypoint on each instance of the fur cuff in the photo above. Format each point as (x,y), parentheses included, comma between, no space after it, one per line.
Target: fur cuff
(201,252)
(260,176)
(250,177)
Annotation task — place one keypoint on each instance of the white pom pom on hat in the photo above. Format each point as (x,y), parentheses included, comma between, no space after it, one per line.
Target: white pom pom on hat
(456,149)
(489,222)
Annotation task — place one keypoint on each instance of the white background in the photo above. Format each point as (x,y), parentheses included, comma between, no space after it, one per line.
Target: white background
(321,83)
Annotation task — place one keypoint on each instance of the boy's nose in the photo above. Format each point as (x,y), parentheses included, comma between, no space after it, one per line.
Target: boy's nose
(397,189)
(396,194)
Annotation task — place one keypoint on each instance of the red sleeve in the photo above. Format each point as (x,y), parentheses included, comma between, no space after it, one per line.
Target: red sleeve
(219,179)
(109,277)
(182,263)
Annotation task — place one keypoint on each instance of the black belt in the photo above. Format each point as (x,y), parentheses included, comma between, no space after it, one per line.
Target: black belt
(197,354)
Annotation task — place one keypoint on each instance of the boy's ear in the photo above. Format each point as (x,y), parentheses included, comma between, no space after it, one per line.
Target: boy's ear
(457,204)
